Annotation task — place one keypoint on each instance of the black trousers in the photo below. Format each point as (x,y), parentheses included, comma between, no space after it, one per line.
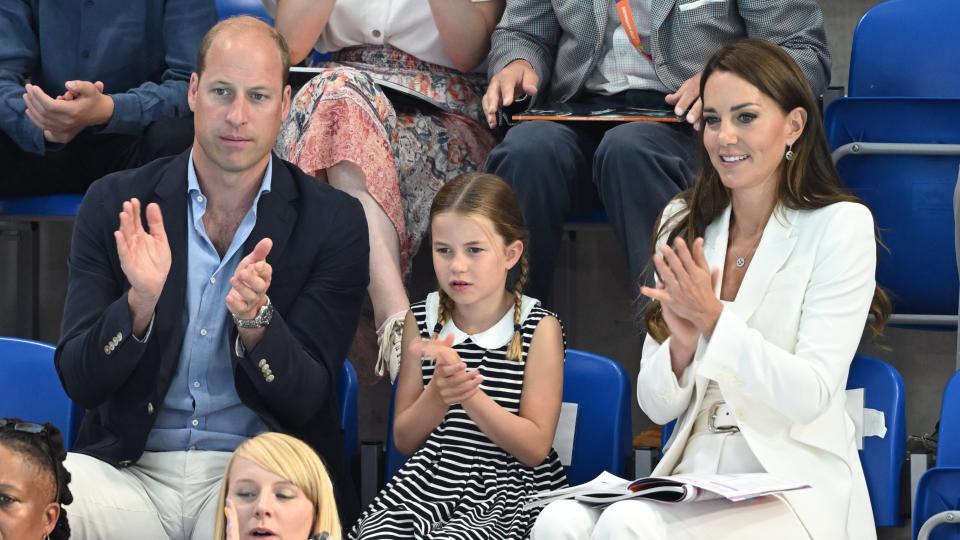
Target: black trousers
(74,166)
(636,168)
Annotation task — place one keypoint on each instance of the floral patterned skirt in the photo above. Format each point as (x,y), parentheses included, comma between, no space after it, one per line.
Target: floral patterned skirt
(407,148)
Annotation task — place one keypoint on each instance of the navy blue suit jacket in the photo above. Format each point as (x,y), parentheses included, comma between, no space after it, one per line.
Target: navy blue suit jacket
(320,261)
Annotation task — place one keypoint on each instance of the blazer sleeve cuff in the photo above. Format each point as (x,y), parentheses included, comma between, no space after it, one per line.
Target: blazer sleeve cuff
(720,353)
(661,395)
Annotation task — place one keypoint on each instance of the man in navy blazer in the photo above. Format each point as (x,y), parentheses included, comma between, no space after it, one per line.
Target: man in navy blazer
(224,313)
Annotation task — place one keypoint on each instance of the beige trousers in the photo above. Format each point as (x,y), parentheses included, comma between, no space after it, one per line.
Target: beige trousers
(764,518)
(165,495)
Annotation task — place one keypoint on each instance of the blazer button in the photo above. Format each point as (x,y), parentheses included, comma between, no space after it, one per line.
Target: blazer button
(269,378)
(107,350)
(149,408)
(125,463)
(119,337)
(262,363)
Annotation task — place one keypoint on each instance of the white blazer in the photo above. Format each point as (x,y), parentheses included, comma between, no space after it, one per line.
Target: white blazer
(780,354)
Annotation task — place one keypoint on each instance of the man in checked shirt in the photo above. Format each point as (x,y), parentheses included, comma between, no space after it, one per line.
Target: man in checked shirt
(616,54)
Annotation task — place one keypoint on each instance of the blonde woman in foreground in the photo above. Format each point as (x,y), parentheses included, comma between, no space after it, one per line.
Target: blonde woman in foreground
(276,487)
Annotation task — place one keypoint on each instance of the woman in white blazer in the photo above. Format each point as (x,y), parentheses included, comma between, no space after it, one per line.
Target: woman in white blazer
(765,279)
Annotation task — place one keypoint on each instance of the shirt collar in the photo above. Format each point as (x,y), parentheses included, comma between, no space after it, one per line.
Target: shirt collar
(193,184)
(494,337)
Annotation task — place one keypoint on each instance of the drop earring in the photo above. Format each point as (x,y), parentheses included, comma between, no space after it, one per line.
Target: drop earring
(789,155)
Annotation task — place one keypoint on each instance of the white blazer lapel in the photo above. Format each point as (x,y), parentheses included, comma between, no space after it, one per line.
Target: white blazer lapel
(715,244)
(775,246)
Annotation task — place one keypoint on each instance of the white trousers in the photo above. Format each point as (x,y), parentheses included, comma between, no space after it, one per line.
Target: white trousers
(763,518)
(165,495)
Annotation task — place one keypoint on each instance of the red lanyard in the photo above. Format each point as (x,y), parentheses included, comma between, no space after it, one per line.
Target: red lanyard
(626,20)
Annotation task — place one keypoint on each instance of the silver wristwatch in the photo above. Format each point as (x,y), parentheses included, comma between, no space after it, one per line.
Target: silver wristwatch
(262,319)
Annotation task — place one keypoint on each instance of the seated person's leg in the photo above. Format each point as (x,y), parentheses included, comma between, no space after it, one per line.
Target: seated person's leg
(58,171)
(565,520)
(336,133)
(109,502)
(756,519)
(638,168)
(202,490)
(542,162)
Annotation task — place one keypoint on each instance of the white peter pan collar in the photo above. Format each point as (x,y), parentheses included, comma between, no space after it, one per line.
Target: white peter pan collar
(494,337)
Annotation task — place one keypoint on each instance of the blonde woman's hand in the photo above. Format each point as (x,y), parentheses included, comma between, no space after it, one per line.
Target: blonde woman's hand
(232,527)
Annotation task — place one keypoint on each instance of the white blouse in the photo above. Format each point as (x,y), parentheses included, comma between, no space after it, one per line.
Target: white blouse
(407,25)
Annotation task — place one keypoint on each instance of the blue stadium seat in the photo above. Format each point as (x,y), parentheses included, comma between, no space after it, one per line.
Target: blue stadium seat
(31,390)
(393,460)
(601,389)
(906,48)
(20,217)
(230,8)
(939,488)
(44,207)
(347,391)
(602,440)
(948,439)
(938,493)
(901,156)
(881,458)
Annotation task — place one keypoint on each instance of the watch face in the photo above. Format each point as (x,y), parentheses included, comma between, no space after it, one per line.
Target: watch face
(262,318)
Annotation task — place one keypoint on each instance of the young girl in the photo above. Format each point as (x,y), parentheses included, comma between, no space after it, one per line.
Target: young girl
(480,382)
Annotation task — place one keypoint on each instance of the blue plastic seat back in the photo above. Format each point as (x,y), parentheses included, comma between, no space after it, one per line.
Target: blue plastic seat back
(665,431)
(907,48)
(601,389)
(911,197)
(882,458)
(602,438)
(393,460)
(948,439)
(30,388)
(347,391)
(49,206)
(230,8)
(937,491)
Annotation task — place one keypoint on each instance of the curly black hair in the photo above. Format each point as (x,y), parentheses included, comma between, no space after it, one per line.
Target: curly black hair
(45,450)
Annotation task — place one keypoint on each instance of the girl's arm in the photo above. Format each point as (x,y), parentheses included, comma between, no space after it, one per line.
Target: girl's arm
(529,435)
(301,22)
(418,410)
(465,27)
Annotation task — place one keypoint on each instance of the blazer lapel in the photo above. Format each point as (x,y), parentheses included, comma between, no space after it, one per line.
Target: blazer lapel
(775,246)
(715,245)
(659,9)
(171,194)
(276,213)
(601,17)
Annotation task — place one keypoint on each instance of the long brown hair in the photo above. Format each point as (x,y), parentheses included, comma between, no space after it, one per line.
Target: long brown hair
(808,181)
(486,195)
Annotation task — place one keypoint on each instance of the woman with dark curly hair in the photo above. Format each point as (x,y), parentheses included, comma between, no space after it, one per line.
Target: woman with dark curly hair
(33,481)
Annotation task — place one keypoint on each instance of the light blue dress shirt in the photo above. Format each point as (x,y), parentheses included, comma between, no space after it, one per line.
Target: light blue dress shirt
(202,410)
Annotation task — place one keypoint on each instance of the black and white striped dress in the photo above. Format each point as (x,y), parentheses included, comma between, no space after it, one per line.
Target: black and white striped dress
(460,485)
